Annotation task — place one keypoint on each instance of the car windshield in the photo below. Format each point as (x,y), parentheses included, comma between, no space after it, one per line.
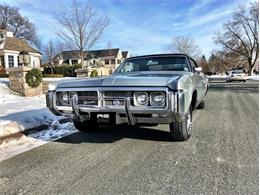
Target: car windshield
(154,64)
(237,72)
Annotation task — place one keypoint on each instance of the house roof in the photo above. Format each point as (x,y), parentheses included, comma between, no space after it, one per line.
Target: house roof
(124,54)
(15,44)
(66,55)
(103,53)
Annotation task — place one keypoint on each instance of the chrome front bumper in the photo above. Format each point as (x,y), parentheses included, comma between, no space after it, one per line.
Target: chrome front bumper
(174,111)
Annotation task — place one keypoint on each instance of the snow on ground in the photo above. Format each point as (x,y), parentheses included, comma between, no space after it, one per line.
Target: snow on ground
(59,79)
(55,131)
(217,76)
(253,77)
(18,113)
(20,143)
(213,77)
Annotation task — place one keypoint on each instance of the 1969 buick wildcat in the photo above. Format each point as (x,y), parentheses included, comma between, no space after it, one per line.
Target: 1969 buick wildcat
(151,89)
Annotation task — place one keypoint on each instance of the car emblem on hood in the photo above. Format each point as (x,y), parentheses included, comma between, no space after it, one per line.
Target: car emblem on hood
(116,102)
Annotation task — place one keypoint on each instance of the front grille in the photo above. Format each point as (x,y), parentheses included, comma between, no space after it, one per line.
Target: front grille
(116,98)
(88,98)
(115,102)
(118,94)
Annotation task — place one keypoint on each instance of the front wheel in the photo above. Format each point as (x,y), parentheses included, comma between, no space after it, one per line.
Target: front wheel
(85,126)
(181,131)
(201,105)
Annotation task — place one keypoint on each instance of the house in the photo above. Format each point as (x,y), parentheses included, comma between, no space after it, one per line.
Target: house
(105,61)
(16,52)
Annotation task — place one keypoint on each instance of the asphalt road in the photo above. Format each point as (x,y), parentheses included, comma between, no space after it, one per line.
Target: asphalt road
(220,158)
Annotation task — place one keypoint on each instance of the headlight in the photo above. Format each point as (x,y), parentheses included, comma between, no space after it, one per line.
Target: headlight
(140,98)
(65,97)
(157,99)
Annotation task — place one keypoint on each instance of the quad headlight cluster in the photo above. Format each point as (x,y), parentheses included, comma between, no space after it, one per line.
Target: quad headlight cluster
(65,98)
(155,99)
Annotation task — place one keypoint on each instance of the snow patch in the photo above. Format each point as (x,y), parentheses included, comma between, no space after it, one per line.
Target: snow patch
(20,143)
(219,159)
(55,131)
(253,77)
(217,77)
(18,113)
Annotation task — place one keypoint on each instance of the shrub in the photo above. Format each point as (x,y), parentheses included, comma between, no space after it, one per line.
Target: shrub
(34,78)
(52,75)
(94,73)
(65,70)
(3,75)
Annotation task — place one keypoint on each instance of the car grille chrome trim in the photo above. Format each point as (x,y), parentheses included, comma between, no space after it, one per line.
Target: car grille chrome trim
(103,94)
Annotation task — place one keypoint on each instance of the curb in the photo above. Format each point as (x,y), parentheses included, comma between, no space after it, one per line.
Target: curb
(33,130)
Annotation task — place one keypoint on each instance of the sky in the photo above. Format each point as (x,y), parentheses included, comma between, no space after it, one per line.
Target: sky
(142,26)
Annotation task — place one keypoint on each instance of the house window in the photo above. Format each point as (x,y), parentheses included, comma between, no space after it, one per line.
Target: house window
(11,61)
(18,61)
(74,61)
(3,61)
(113,61)
(106,61)
(55,63)
(118,61)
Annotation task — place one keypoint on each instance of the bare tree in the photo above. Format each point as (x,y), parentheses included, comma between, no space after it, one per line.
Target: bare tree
(240,35)
(49,51)
(81,26)
(52,49)
(12,20)
(204,64)
(215,64)
(185,44)
(232,61)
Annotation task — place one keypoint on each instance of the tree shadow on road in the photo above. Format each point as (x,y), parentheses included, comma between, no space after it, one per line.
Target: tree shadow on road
(114,133)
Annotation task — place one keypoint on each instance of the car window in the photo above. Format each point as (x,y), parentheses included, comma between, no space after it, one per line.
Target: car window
(155,64)
(193,65)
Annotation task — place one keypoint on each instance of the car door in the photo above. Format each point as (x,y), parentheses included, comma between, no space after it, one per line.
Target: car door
(200,81)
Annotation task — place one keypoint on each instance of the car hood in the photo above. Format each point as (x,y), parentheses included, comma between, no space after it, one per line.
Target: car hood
(126,80)
(140,79)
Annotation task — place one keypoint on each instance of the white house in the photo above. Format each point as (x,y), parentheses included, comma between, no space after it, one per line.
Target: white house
(105,61)
(16,52)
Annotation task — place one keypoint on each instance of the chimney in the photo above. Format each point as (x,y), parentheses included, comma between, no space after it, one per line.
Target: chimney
(9,34)
(4,33)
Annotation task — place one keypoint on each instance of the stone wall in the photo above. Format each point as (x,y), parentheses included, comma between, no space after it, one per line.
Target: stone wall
(45,85)
(18,83)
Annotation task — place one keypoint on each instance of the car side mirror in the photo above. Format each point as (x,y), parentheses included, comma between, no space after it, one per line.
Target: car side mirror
(198,69)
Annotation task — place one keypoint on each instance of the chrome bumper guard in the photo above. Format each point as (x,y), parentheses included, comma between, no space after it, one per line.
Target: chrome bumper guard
(174,111)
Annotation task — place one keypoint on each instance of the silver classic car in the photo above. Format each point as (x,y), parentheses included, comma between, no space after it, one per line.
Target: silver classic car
(151,89)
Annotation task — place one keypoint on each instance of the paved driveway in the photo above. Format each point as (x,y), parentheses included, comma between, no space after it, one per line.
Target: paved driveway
(220,158)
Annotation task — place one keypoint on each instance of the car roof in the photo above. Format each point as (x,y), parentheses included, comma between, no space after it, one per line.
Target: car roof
(160,55)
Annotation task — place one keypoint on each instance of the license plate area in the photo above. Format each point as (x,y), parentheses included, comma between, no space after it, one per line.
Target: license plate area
(106,118)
